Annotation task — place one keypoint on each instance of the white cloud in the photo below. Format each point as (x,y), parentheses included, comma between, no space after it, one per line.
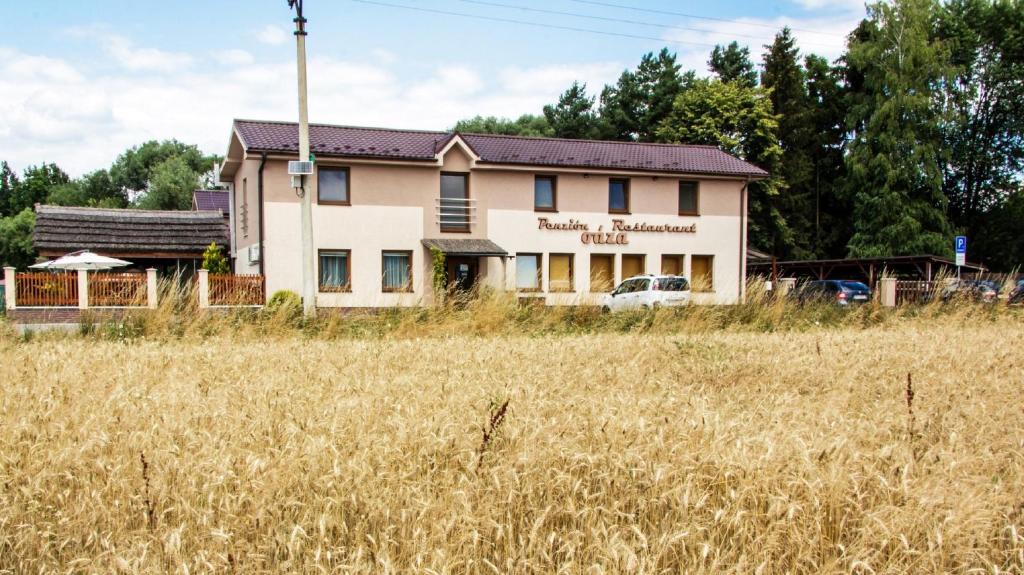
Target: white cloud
(131,57)
(825,36)
(234,57)
(272,35)
(83,116)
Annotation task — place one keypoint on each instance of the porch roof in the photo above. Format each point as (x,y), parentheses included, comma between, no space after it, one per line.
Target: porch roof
(465,247)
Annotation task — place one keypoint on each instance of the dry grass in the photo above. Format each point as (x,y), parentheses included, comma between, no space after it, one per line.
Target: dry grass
(771,447)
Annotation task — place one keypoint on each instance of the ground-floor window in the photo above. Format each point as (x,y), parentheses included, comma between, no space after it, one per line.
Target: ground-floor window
(602,272)
(335,267)
(560,272)
(528,272)
(633,265)
(702,273)
(672,264)
(397,275)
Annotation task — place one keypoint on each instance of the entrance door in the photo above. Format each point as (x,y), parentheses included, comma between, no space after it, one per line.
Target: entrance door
(462,273)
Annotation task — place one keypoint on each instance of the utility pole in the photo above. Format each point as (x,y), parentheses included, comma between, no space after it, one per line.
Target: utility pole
(308,291)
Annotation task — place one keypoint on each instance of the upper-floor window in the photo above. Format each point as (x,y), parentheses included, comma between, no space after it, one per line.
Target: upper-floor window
(618,196)
(454,212)
(689,199)
(544,194)
(332,186)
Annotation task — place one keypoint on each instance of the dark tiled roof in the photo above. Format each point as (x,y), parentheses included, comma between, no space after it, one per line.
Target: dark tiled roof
(347,141)
(212,200)
(341,140)
(466,247)
(105,231)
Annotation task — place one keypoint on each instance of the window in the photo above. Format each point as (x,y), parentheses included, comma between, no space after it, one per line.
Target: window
(332,186)
(397,271)
(454,203)
(632,265)
(560,272)
(544,194)
(602,272)
(335,270)
(528,272)
(672,284)
(618,196)
(672,265)
(689,199)
(702,273)
(245,207)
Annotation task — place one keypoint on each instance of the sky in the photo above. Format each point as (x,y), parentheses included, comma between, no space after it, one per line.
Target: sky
(81,81)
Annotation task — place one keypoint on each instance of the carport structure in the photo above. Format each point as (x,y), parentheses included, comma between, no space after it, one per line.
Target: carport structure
(867,270)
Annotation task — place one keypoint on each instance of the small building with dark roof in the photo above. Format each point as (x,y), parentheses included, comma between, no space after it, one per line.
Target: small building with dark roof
(167,240)
(212,201)
(560,220)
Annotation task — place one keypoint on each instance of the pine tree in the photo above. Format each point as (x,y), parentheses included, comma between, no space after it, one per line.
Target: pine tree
(894,173)
(633,109)
(732,64)
(573,116)
(8,189)
(783,77)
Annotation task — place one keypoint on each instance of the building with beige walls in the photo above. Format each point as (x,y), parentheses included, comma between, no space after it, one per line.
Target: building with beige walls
(556,219)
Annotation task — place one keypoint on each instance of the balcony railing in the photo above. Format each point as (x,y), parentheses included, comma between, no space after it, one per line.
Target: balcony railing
(455,214)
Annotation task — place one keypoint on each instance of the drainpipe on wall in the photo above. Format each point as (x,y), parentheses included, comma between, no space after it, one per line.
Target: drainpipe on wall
(743,241)
(259,211)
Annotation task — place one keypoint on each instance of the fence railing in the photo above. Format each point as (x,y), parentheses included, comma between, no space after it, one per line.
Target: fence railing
(915,291)
(117,289)
(226,289)
(36,289)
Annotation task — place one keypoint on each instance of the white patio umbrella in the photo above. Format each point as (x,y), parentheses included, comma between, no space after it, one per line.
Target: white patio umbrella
(81,260)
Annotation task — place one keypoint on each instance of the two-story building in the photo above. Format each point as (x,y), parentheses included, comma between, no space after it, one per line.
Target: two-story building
(563,220)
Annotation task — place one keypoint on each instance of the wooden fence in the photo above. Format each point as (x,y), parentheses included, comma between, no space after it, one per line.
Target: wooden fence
(227,289)
(117,289)
(914,291)
(46,289)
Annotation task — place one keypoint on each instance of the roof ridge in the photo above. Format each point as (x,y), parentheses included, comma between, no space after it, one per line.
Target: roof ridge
(551,138)
(116,211)
(350,127)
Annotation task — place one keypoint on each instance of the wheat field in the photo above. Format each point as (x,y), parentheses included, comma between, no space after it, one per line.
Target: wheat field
(735,451)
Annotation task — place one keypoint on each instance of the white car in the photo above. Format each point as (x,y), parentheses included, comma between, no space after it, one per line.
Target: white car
(648,292)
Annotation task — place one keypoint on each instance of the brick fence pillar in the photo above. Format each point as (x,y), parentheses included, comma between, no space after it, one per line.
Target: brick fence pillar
(204,289)
(10,286)
(83,289)
(151,293)
(887,292)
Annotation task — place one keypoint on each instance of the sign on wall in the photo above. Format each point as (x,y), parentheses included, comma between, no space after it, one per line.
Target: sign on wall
(617,235)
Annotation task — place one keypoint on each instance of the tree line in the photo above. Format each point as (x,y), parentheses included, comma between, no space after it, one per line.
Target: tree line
(914,135)
(152,176)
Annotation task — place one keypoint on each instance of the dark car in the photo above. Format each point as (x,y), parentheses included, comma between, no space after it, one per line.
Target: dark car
(1017,294)
(982,291)
(842,292)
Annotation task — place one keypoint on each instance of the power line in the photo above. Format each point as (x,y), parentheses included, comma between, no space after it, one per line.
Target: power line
(622,21)
(684,15)
(528,23)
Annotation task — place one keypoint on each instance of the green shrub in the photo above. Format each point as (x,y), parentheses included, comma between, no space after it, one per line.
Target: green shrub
(284,305)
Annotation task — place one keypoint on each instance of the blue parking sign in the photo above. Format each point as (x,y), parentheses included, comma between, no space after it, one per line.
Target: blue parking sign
(961,244)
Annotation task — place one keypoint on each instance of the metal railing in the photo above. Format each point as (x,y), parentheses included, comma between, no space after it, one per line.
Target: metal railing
(455,214)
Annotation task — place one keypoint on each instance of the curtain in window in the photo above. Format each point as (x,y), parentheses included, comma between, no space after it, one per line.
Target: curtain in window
(632,265)
(672,265)
(602,273)
(702,273)
(560,274)
(334,270)
(396,271)
(527,272)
